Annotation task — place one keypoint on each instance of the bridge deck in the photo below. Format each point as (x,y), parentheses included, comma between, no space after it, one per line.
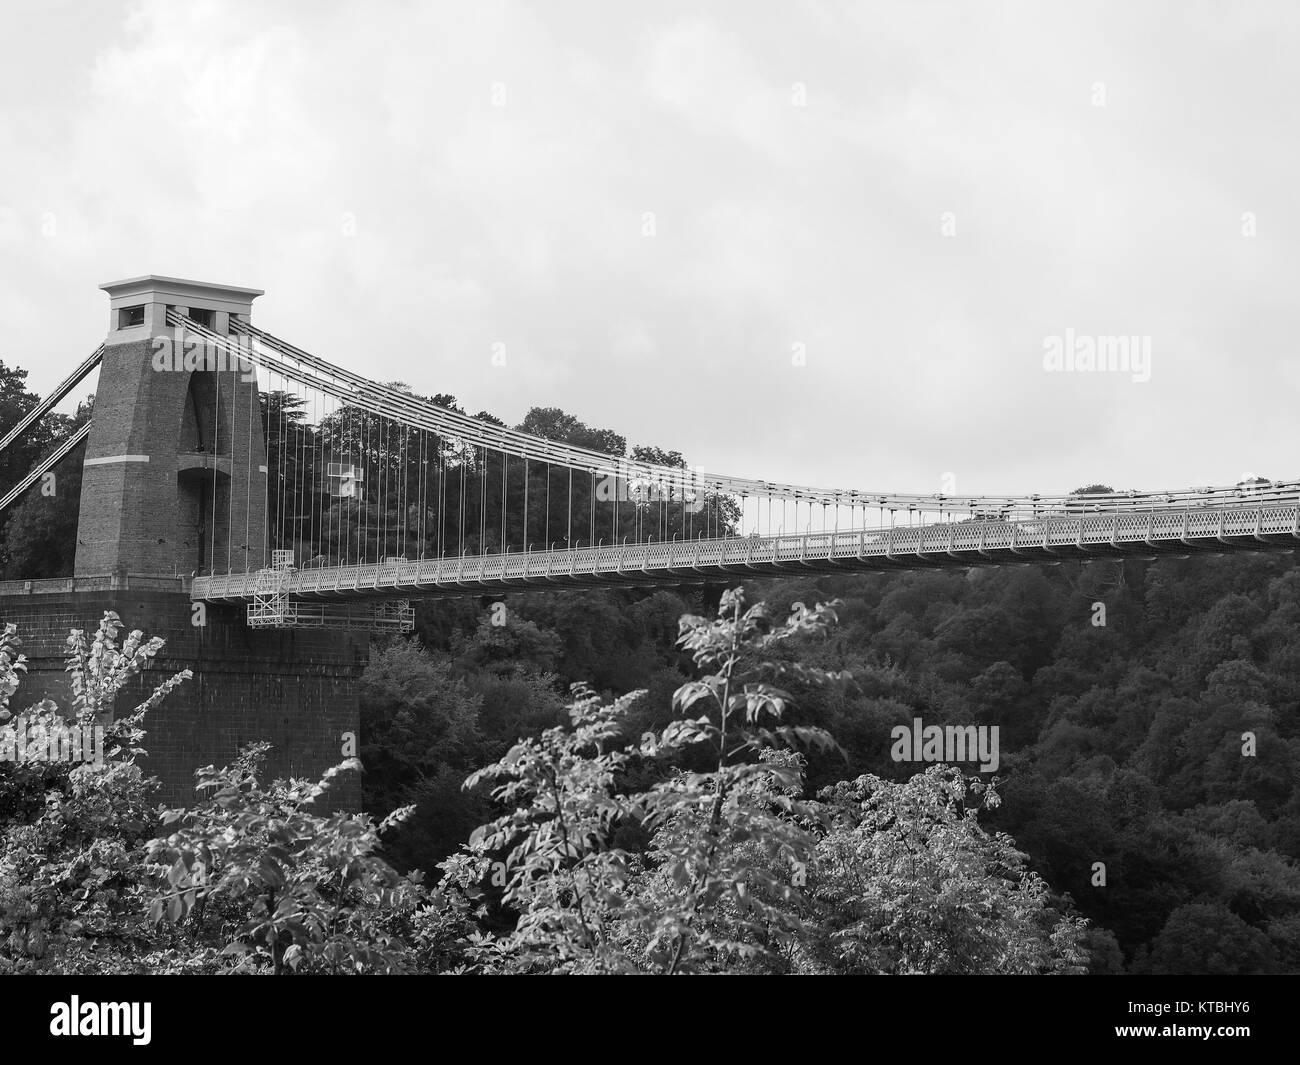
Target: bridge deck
(950,544)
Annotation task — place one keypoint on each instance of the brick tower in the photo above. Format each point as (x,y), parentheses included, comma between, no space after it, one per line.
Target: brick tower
(175,473)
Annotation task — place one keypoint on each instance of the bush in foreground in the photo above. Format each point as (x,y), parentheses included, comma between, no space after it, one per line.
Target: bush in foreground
(717,866)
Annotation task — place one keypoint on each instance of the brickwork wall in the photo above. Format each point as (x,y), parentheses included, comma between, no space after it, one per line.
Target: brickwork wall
(298,690)
(134,518)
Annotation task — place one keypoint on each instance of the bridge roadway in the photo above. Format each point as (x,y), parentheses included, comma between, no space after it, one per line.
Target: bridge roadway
(1149,533)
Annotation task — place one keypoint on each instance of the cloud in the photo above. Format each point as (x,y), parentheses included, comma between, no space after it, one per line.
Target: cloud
(416,185)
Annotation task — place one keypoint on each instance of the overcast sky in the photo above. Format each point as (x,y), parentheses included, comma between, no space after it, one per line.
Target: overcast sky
(826,243)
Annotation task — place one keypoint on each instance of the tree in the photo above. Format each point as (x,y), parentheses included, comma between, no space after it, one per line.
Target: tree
(420,737)
(1208,939)
(249,879)
(38,534)
(586,905)
(292,890)
(72,833)
(906,881)
(740,874)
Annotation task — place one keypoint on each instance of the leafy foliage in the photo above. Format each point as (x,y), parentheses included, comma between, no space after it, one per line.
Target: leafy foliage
(284,886)
(38,534)
(72,834)
(248,880)
(719,884)
(908,882)
(605,854)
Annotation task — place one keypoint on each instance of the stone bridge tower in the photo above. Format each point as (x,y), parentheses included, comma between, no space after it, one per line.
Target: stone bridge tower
(174,481)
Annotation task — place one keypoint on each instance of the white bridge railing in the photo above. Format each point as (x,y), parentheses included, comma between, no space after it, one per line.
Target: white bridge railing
(947,543)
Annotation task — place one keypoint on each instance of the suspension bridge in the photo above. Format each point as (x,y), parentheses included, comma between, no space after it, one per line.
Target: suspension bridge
(265,510)
(263,475)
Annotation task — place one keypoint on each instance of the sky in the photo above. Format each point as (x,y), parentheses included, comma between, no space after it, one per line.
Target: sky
(857,245)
